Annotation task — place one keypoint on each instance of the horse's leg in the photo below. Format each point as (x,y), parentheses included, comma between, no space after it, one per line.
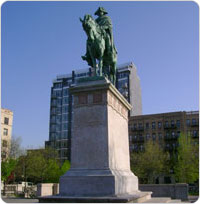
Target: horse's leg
(93,62)
(100,66)
(113,73)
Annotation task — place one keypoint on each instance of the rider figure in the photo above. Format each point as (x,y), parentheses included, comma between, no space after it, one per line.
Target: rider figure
(106,25)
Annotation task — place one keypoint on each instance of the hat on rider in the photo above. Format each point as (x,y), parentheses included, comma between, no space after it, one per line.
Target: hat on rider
(100,9)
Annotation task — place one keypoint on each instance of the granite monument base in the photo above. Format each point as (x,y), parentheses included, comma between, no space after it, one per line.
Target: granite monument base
(100,161)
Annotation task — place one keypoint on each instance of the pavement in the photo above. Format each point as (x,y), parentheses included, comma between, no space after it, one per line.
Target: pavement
(192,199)
(19,200)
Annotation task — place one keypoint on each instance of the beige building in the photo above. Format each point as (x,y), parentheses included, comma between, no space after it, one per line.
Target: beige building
(6,131)
(164,128)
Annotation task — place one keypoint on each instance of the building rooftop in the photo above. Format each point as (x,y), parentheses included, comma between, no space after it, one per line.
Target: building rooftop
(79,71)
(167,113)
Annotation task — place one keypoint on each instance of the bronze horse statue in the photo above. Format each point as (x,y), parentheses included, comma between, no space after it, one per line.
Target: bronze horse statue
(101,59)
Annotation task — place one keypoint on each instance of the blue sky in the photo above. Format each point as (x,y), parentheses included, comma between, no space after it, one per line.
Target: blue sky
(41,40)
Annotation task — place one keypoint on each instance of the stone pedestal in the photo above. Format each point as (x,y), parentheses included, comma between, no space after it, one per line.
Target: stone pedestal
(100,163)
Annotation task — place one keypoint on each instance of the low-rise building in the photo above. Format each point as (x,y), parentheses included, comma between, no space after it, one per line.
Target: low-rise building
(164,128)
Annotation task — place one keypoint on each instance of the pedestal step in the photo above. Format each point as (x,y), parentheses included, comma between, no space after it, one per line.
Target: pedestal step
(162,200)
(137,197)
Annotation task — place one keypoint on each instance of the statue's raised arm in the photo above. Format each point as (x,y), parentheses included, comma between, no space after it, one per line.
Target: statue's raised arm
(101,53)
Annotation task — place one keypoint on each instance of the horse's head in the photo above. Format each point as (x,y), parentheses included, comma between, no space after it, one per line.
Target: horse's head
(89,25)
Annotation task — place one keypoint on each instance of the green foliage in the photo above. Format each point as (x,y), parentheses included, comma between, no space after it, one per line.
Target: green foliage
(187,165)
(7,167)
(52,172)
(151,163)
(41,166)
(65,167)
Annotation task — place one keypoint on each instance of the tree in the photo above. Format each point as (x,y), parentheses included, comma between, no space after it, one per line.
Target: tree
(21,168)
(40,166)
(52,172)
(7,168)
(187,165)
(65,167)
(151,163)
(15,148)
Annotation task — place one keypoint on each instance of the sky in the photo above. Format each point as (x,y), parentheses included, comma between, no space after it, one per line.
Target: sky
(41,40)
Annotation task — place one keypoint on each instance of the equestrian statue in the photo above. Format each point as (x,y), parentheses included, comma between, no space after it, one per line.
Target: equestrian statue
(101,53)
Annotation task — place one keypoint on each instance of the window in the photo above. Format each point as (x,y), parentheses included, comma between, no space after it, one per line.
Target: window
(53,128)
(65,126)
(5,131)
(193,121)
(159,124)
(65,109)
(166,124)
(122,75)
(130,138)
(65,100)
(135,126)
(58,93)
(53,102)
(6,121)
(172,123)
(57,85)
(122,84)
(154,136)
(167,134)
(135,147)
(58,128)
(58,135)
(160,136)
(58,110)
(173,134)
(194,133)
(65,92)
(153,125)
(58,144)
(64,118)
(3,155)
(188,122)
(53,119)
(147,136)
(65,153)
(53,111)
(178,134)
(64,144)
(59,102)
(178,124)
(58,119)
(140,125)
(65,135)
(147,125)
(5,143)
(52,136)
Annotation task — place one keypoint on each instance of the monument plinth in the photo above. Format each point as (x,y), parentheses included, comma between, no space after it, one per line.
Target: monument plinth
(100,161)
